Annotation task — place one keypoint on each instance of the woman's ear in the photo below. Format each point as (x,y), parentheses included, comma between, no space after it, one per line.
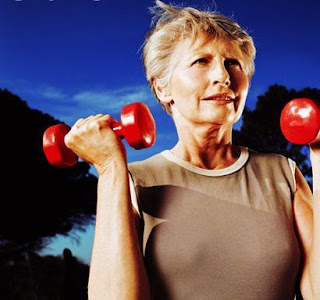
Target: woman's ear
(162,92)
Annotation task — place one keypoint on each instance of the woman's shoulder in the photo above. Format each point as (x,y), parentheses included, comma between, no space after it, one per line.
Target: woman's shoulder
(148,170)
(153,162)
(259,156)
(272,163)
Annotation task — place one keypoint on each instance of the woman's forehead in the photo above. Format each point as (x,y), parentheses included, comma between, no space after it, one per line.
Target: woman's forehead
(205,43)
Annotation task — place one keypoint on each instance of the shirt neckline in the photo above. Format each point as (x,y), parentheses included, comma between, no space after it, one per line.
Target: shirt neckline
(237,165)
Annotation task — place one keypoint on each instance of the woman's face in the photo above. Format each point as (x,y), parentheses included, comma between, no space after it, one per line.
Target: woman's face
(208,84)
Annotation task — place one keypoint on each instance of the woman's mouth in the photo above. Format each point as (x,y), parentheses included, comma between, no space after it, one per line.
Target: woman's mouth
(220,98)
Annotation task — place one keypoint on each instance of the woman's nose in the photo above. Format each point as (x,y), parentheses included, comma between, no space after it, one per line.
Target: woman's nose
(220,75)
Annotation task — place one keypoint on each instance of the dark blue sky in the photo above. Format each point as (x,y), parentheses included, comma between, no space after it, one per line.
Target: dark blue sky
(73,58)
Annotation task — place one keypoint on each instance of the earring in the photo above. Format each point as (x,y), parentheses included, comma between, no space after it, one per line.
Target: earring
(171,102)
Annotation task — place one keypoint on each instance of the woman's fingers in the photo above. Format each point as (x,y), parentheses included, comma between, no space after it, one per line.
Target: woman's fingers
(78,123)
(92,137)
(94,121)
(93,140)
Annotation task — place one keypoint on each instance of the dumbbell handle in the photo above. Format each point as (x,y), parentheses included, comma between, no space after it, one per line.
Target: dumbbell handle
(300,121)
(118,129)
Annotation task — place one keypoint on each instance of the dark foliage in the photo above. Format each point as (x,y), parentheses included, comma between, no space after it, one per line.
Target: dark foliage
(261,131)
(30,276)
(38,201)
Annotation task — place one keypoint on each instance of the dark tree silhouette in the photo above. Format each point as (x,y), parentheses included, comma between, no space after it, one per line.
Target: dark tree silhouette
(38,201)
(71,289)
(30,276)
(261,131)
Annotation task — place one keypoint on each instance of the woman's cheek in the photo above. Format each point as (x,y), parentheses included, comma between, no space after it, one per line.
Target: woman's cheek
(189,81)
(198,74)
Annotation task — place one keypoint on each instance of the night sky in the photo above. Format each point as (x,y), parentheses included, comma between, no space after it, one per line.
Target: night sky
(74,58)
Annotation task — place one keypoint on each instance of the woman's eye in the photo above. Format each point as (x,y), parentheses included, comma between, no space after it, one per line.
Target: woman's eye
(232,62)
(200,61)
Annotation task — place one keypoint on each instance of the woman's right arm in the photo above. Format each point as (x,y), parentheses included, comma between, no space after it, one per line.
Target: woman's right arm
(117,269)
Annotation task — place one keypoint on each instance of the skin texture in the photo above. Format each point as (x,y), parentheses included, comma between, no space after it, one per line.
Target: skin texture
(207,93)
(307,212)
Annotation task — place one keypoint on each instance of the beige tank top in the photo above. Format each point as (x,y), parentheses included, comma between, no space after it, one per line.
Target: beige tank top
(218,234)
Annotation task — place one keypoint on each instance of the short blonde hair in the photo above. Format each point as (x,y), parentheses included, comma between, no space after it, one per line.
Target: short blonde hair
(171,24)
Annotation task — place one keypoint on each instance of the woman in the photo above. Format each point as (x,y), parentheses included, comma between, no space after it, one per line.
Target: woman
(207,219)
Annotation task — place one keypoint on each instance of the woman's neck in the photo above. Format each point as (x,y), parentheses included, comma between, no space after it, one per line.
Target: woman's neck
(207,148)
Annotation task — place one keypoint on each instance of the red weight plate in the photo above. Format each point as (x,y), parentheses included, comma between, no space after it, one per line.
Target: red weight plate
(138,125)
(300,121)
(54,148)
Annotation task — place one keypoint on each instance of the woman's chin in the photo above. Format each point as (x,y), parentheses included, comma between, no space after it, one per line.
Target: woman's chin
(221,119)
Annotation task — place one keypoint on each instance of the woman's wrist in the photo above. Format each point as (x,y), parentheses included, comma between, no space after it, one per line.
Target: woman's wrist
(114,165)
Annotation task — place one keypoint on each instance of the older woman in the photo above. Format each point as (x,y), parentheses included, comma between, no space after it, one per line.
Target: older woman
(207,219)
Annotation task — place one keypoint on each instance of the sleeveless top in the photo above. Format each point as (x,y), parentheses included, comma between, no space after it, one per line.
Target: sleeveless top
(218,234)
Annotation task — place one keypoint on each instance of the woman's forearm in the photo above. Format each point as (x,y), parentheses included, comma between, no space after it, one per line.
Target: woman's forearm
(315,252)
(117,269)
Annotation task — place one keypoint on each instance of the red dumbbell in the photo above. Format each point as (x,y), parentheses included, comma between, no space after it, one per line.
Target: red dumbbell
(137,126)
(300,121)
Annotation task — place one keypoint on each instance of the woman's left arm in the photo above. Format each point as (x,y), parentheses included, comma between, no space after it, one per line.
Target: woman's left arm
(307,220)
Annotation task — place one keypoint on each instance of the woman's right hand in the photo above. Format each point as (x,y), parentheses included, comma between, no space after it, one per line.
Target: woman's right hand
(93,140)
